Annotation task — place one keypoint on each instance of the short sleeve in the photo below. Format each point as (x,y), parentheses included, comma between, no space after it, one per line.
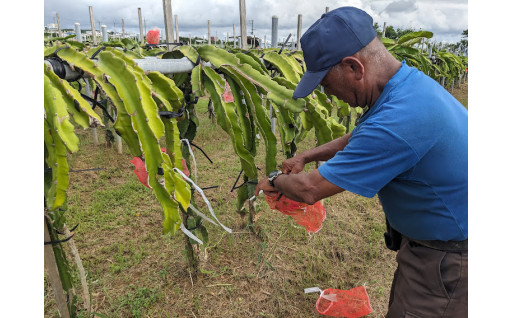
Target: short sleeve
(373,157)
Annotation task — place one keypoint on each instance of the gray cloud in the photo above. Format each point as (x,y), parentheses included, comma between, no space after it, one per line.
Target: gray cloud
(446,18)
(401,7)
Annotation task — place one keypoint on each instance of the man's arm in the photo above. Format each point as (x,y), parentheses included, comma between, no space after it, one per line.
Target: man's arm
(320,153)
(304,187)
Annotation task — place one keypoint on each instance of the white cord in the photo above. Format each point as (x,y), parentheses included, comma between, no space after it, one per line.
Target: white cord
(189,234)
(204,198)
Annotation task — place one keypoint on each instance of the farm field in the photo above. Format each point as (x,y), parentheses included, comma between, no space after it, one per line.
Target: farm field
(135,271)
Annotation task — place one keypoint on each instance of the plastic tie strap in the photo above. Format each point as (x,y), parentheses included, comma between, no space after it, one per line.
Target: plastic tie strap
(189,234)
(204,198)
(196,211)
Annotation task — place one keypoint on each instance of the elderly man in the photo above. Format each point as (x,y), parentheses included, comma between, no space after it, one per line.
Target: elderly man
(410,147)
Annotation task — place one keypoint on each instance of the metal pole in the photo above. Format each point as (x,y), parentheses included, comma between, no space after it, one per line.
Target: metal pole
(78,32)
(104,33)
(274,31)
(93,28)
(209,34)
(177,30)
(141,32)
(169,32)
(243,25)
(58,26)
(299,31)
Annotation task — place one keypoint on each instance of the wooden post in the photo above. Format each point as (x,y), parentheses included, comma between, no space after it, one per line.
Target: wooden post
(177,30)
(243,25)
(141,32)
(122,23)
(53,275)
(169,32)
(93,28)
(58,26)
(209,34)
(299,31)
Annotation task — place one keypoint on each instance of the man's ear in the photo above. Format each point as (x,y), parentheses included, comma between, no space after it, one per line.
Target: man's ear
(354,65)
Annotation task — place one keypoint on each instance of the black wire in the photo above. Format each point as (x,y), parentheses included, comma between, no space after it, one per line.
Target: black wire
(99,50)
(237,178)
(204,153)
(74,228)
(60,241)
(92,169)
(248,182)
(169,114)
(57,50)
(208,188)
(100,105)
(197,225)
(282,47)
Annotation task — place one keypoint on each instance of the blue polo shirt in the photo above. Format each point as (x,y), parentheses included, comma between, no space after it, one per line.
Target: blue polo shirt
(411,148)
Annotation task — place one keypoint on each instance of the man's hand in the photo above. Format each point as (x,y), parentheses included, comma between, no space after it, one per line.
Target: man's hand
(265,186)
(293,165)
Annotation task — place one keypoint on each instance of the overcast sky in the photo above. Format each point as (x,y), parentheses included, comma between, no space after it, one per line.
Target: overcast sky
(446,18)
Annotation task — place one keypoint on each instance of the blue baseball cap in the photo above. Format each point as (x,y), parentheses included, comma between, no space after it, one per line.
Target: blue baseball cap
(337,34)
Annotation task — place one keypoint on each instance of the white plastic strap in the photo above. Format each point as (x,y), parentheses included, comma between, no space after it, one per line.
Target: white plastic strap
(189,234)
(330,297)
(193,158)
(312,290)
(204,198)
(196,211)
(254,197)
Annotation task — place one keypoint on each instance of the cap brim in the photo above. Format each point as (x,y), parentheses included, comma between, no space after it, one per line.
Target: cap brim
(308,83)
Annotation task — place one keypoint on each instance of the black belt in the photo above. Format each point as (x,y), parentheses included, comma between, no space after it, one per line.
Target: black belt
(447,246)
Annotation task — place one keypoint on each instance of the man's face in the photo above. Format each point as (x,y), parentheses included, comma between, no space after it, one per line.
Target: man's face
(336,83)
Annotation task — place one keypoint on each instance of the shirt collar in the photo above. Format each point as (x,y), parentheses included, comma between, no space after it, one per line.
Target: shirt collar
(399,76)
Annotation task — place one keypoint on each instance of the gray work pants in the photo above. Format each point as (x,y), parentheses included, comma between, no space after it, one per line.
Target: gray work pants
(429,283)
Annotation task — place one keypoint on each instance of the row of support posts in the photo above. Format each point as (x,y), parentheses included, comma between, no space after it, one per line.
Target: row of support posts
(168,19)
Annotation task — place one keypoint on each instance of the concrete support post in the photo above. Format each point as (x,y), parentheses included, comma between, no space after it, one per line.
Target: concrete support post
(78,32)
(274,31)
